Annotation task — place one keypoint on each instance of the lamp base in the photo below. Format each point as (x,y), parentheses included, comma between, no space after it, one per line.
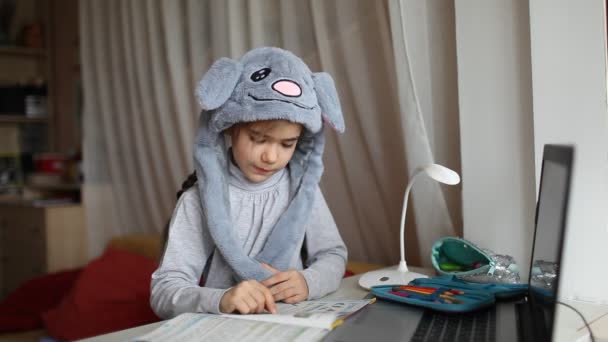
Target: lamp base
(388,276)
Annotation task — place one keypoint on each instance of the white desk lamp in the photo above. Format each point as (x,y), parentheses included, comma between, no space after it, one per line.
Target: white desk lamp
(400,275)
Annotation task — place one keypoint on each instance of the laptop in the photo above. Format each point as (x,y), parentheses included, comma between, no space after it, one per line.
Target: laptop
(527,319)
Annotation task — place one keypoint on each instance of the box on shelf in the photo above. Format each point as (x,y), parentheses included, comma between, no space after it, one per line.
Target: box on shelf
(53,177)
(28,100)
(50,163)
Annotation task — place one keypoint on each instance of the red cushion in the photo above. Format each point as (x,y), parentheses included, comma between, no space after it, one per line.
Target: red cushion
(112,293)
(23,308)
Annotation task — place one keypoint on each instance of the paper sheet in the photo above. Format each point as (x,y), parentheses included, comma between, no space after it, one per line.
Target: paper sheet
(191,327)
(339,308)
(316,313)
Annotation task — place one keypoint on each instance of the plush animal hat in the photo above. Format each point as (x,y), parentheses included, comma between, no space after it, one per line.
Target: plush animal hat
(266,84)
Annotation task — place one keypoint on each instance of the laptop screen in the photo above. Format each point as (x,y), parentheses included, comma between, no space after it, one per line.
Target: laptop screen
(551,213)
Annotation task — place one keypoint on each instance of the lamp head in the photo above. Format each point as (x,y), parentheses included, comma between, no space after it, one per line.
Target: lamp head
(442,174)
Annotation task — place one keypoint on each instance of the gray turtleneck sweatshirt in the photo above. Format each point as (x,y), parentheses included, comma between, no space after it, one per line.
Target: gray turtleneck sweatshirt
(255,207)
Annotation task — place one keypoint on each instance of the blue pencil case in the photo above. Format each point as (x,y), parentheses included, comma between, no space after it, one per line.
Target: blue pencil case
(450,294)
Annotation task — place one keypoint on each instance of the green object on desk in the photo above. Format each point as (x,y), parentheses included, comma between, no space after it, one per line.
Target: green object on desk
(450,266)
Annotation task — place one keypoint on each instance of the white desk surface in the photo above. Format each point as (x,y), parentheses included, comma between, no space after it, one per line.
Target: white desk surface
(570,328)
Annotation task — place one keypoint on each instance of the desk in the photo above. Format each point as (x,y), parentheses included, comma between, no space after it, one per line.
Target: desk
(570,328)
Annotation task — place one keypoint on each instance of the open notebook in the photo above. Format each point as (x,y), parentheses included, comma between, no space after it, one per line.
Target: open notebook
(305,321)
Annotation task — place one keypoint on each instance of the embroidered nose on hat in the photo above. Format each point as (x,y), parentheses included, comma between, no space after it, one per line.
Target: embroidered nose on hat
(287,88)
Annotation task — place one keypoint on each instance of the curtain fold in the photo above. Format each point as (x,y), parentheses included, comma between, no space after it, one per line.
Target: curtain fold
(162,104)
(372,163)
(141,61)
(135,112)
(127,175)
(428,202)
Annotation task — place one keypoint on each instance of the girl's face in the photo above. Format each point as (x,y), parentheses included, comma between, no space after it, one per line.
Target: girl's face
(260,149)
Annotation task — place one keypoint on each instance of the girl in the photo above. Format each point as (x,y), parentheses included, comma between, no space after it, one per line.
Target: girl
(256,226)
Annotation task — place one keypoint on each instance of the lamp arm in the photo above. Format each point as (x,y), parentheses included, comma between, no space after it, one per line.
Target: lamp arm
(402,263)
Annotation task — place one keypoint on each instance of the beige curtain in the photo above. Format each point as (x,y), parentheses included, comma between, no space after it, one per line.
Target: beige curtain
(423,34)
(142,59)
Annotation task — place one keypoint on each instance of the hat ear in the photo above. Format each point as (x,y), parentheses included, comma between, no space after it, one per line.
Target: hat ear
(328,100)
(216,86)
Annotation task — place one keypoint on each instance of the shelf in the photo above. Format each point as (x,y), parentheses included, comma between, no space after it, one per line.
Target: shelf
(56,187)
(10,119)
(32,202)
(22,51)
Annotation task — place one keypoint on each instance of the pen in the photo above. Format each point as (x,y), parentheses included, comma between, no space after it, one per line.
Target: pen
(452,299)
(422,292)
(437,300)
(421,288)
(425,296)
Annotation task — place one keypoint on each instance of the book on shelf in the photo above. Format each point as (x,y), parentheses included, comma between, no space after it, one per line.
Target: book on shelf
(10,164)
(304,321)
(9,140)
(10,174)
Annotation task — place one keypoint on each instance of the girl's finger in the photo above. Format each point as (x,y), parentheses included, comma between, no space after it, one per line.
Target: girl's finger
(251,303)
(281,287)
(294,299)
(242,307)
(268,299)
(289,292)
(275,279)
(259,298)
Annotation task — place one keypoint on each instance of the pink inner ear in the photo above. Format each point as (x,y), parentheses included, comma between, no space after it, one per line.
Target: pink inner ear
(326,120)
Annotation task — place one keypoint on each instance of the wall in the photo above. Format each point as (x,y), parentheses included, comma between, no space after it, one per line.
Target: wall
(496,134)
(530,75)
(569,77)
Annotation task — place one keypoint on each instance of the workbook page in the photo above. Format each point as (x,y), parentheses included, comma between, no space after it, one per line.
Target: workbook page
(194,327)
(314,313)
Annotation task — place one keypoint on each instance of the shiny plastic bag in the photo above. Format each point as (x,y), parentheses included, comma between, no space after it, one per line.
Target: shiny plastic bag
(463,259)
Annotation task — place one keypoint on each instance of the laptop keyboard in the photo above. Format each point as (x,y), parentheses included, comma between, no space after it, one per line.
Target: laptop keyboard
(473,326)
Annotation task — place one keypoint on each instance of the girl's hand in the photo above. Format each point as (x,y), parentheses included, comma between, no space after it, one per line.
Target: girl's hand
(288,286)
(247,297)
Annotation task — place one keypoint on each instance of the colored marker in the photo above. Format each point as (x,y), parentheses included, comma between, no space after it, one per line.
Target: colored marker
(452,299)
(437,300)
(421,288)
(431,289)
(422,292)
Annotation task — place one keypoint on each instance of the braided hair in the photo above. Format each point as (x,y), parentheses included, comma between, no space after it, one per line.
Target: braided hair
(187,184)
